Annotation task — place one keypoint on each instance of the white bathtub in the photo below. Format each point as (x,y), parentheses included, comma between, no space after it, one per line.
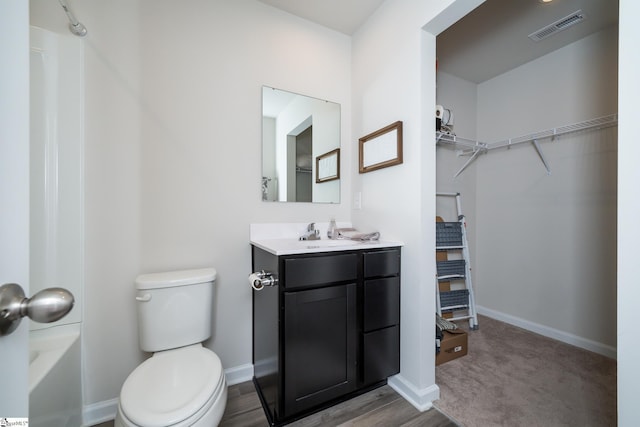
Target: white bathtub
(55,391)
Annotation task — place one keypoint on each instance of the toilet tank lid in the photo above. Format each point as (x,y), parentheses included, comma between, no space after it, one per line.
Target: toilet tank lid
(175,278)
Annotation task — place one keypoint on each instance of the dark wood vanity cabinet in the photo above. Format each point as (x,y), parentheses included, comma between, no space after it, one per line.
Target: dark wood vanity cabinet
(329,330)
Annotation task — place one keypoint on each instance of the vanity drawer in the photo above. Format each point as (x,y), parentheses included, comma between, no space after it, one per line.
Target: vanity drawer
(382,263)
(381,354)
(381,303)
(318,270)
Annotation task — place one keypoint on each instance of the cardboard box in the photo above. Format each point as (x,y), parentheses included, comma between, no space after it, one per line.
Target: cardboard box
(452,346)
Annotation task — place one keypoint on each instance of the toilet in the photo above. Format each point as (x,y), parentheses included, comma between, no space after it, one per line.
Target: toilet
(183,383)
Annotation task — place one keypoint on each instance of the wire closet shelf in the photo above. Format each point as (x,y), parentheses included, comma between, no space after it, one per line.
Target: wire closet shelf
(475,147)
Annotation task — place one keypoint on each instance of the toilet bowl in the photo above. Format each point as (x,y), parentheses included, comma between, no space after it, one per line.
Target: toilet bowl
(177,388)
(183,383)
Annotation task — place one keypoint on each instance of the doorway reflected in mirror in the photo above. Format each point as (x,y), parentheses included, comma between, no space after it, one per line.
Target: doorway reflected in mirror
(296,130)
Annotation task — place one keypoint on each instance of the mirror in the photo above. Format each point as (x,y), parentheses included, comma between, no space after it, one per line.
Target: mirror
(300,148)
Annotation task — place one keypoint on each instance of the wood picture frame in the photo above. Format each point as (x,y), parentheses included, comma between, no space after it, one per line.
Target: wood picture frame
(328,166)
(381,149)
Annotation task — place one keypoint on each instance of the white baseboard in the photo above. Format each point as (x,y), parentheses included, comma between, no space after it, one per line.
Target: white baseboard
(239,374)
(106,410)
(422,399)
(100,412)
(596,347)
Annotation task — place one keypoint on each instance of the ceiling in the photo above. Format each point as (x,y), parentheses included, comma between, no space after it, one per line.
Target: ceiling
(489,41)
(345,16)
(493,38)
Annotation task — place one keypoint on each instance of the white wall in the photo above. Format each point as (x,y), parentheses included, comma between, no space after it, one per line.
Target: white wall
(389,45)
(628,214)
(113,239)
(201,138)
(112,187)
(394,79)
(173,155)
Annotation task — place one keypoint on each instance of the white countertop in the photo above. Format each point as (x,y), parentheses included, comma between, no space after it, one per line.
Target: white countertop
(282,239)
(292,246)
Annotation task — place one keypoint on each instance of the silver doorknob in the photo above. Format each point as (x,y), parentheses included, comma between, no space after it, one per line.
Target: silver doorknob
(46,306)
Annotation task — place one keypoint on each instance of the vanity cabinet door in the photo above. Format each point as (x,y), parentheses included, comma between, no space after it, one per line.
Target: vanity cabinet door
(320,327)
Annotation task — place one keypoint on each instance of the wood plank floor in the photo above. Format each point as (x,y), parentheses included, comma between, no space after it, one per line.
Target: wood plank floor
(380,407)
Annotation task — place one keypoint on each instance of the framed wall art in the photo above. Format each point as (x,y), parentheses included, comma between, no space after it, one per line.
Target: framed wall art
(381,149)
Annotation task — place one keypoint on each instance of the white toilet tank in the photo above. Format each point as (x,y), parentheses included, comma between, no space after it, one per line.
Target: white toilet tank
(174,308)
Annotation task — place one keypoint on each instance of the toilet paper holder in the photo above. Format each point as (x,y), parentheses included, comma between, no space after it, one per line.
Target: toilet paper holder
(260,279)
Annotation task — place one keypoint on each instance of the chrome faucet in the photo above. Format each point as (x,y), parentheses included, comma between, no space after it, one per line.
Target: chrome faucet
(311,233)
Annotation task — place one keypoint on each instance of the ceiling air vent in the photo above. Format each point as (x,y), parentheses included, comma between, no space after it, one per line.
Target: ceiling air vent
(559,25)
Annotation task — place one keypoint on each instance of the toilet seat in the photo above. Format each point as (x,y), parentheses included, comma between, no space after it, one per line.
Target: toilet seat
(174,387)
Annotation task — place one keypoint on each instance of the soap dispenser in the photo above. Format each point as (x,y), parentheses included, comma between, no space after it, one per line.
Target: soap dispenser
(332,231)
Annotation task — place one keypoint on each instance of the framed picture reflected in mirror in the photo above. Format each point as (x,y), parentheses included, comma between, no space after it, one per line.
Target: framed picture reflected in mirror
(328,166)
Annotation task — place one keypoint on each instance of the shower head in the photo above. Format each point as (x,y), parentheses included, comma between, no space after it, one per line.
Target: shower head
(78,29)
(74,26)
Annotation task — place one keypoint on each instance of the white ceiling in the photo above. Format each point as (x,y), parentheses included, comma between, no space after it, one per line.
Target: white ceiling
(345,16)
(487,42)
